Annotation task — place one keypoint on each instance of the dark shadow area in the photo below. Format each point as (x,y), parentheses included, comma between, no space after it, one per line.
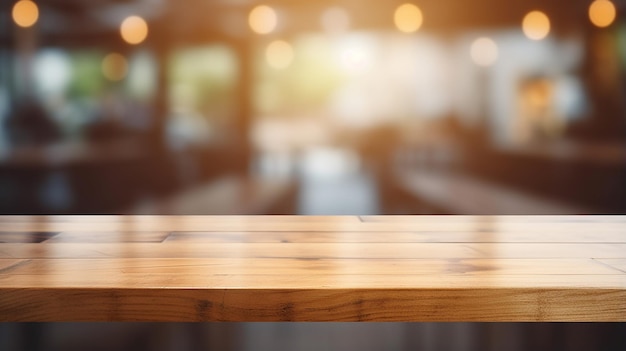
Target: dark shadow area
(313,336)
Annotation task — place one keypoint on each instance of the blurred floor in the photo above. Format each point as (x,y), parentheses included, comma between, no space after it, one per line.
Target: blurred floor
(332,182)
(322,336)
(313,336)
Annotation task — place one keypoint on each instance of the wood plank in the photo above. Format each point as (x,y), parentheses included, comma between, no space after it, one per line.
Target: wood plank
(7,265)
(304,223)
(25,237)
(618,264)
(272,268)
(109,237)
(398,237)
(386,304)
(186,223)
(470,219)
(179,218)
(313,250)
(311,268)
(190,225)
(502,218)
(210,281)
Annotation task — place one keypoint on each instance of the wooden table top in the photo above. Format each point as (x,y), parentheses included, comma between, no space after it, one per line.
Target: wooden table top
(308,268)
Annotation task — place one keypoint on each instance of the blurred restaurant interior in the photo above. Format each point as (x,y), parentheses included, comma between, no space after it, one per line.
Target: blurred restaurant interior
(313,107)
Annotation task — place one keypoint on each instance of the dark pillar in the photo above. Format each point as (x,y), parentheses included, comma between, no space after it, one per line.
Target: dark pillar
(161,43)
(244,100)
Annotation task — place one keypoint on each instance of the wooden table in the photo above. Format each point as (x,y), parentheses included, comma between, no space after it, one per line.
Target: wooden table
(453,192)
(289,268)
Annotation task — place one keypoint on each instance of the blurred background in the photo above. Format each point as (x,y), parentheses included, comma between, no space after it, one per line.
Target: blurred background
(312,107)
(316,107)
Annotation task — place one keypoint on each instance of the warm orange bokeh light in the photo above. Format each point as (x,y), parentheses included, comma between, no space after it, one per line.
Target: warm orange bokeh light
(134,30)
(602,13)
(408,18)
(114,67)
(484,52)
(536,25)
(263,19)
(279,54)
(25,13)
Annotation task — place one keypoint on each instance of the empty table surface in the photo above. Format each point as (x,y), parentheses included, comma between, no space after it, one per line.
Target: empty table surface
(310,268)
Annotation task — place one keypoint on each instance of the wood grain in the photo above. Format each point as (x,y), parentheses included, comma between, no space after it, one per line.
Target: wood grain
(8,264)
(313,304)
(109,237)
(25,237)
(483,268)
(398,237)
(618,264)
(313,251)
(289,268)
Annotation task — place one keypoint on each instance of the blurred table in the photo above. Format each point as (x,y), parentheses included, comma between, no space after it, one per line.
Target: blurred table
(228,195)
(86,176)
(453,192)
(599,154)
(306,268)
(69,153)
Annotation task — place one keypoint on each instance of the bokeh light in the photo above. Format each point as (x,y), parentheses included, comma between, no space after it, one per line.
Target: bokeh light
(536,25)
(53,71)
(484,52)
(134,30)
(602,13)
(263,19)
(408,18)
(114,67)
(25,13)
(279,54)
(356,55)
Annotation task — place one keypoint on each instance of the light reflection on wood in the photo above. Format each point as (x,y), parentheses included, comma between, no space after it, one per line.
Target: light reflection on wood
(273,268)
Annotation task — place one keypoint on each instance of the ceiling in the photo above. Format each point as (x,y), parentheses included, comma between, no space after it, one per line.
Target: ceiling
(96,22)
